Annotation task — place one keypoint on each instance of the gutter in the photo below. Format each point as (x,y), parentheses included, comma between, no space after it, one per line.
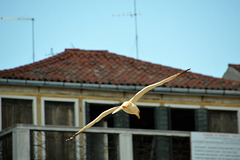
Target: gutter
(122,88)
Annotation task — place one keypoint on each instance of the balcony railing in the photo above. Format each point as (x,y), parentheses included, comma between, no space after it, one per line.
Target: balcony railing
(24,141)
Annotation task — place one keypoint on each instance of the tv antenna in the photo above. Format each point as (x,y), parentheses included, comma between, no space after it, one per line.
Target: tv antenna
(135,14)
(26,19)
(51,53)
(136,27)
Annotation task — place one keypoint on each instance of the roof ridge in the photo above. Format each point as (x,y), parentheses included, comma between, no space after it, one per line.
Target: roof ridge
(235,66)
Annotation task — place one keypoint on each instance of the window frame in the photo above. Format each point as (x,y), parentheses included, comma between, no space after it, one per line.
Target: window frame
(34,106)
(111,102)
(53,99)
(182,106)
(225,108)
(94,101)
(76,119)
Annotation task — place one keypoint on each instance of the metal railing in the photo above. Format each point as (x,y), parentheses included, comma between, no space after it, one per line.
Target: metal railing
(24,141)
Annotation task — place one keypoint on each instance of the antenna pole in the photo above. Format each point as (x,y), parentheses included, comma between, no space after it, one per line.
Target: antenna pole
(136,25)
(136,28)
(33,45)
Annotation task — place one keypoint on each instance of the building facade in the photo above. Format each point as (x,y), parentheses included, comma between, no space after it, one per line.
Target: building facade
(232,72)
(57,96)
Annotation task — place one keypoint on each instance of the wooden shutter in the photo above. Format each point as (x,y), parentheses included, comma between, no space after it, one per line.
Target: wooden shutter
(13,111)
(58,148)
(162,144)
(201,119)
(161,116)
(6,150)
(59,113)
(121,120)
(16,111)
(222,121)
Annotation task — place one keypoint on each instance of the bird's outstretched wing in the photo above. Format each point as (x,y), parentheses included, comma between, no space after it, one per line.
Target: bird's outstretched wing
(137,96)
(118,109)
(102,115)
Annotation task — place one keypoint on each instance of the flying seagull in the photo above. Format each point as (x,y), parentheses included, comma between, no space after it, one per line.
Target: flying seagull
(130,106)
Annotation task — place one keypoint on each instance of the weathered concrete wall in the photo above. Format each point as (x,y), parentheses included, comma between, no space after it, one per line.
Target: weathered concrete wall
(232,74)
(117,95)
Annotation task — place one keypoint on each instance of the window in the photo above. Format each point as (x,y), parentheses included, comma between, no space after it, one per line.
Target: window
(146,121)
(56,111)
(143,146)
(93,110)
(182,119)
(222,121)
(100,146)
(59,113)
(17,109)
(14,109)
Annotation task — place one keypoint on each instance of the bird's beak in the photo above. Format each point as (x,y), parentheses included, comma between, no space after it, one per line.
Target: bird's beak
(138,116)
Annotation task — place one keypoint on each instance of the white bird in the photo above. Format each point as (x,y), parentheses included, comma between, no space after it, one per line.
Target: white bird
(130,106)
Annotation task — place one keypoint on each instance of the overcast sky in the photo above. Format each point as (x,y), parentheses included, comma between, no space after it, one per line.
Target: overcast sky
(203,35)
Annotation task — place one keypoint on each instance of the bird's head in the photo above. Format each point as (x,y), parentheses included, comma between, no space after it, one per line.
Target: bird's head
(131,108)
(138,113)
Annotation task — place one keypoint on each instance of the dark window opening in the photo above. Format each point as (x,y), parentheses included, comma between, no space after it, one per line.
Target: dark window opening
(143,146)
(146,121)
(159,147)
(95,110)
(102,146)
(180,148)
(96,143)
(182,119)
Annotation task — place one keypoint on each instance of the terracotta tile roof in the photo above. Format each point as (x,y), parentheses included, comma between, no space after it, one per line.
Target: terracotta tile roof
(102,67)
(236,66)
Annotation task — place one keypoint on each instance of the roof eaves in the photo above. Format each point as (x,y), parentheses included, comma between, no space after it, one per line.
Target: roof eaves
(125,88)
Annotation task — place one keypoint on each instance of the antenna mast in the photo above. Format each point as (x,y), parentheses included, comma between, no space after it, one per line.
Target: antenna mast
(136,28)
(26,19)
(136,25)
